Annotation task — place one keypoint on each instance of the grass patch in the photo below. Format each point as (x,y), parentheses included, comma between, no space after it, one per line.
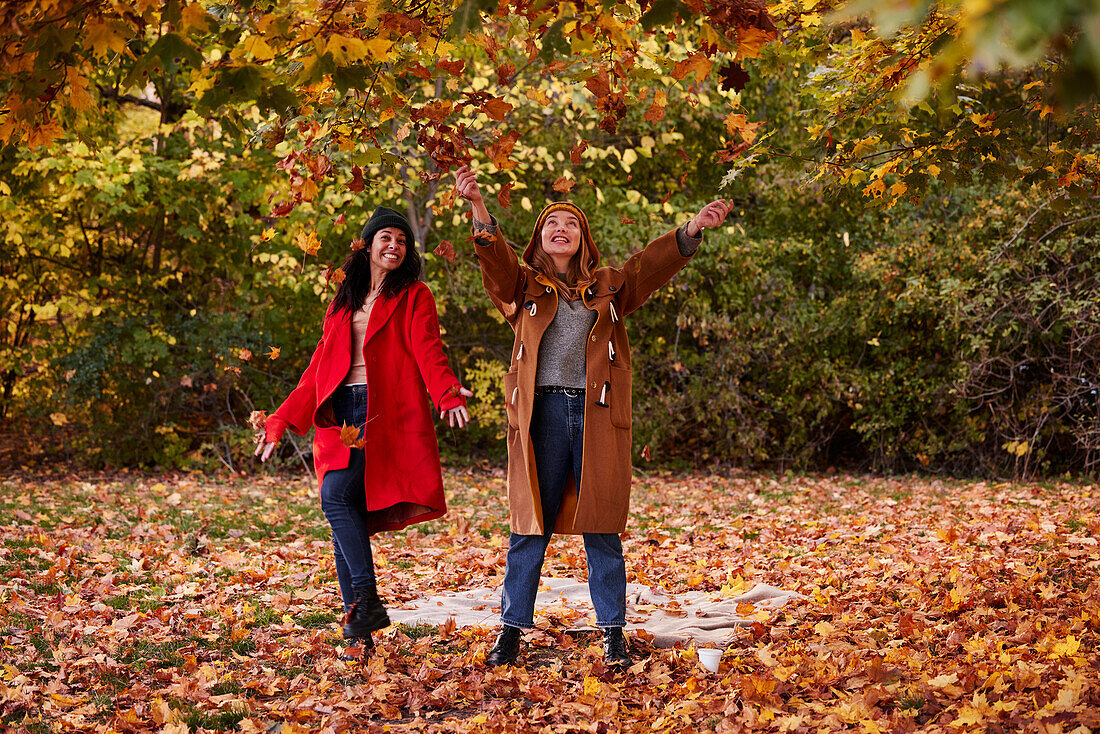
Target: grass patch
(263,618)
(225,687)
(195,718)
(315,620)
(23,722)
(154,654)
(417,630)
(244,646)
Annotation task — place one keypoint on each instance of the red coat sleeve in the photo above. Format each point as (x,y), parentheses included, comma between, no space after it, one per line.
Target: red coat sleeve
(297,410)
(427,348)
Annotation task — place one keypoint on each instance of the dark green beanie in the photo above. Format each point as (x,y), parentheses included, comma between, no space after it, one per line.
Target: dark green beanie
(385,217)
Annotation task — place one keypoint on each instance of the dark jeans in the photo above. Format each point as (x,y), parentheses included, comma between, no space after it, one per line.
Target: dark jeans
(344,501)
(557,434)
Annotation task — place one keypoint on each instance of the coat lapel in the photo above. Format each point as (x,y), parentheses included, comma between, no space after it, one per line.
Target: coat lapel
(380,314)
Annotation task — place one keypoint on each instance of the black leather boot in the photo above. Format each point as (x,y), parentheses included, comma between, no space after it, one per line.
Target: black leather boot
(506,650)
(614,648)
(366,615)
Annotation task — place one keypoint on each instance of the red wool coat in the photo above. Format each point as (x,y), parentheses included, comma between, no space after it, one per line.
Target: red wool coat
(405,365)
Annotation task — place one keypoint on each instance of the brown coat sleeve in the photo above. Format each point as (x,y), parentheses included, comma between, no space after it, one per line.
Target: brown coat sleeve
(501,272)
(647,270)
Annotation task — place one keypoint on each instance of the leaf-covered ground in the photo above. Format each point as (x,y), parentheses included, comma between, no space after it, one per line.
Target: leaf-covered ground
(132,604)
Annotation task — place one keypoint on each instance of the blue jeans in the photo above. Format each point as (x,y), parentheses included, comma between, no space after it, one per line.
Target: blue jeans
(557,436)
(344,501)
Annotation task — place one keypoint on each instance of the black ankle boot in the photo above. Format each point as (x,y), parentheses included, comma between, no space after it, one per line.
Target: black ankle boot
(614,648)
(506,650)
(366,615)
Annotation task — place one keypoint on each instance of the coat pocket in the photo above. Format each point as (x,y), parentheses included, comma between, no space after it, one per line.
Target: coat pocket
(511,397)
(620,396)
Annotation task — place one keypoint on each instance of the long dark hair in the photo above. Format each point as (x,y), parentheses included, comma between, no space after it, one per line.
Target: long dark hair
(352,293)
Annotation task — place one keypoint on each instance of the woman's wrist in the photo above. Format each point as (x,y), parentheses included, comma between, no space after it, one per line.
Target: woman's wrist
(692,229)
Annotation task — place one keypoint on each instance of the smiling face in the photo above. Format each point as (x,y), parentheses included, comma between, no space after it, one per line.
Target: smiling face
(561,237)
(387,252)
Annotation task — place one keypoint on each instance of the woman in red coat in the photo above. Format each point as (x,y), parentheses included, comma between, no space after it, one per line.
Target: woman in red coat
(378,360)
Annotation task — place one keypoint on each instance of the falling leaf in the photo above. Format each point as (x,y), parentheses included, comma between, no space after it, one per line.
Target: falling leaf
(564,185)
(244,355)
(267,234)
(504,196)
(307,242)
(733,77)
(58,419)
(358,244)
(273,352)
(577,151)
(445,250)
(349,436)
(356,184)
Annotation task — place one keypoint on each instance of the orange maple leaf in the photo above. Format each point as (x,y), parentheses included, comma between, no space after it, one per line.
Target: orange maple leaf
(445,250)
(497,109)
(504,196)
(564,184)
(349,436)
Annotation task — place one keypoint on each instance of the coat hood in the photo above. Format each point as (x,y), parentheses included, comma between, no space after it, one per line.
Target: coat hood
(586,234)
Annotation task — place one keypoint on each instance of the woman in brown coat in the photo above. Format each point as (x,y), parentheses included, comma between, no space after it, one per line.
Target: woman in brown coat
(567,394)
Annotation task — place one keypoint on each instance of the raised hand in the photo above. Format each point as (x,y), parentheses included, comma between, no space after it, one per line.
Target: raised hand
(711,215)
(467,188)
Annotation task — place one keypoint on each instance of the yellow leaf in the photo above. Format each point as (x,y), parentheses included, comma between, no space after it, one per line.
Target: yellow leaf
(200,82)
(59,419)
(345,49)
(379,48)
(1068,646)
(194,16)
(104,38)
(824,629)
(592,686)
(934,170)
(257,47)
(267,234)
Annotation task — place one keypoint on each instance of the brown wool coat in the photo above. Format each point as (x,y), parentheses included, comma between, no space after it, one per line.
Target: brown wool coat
(529,302)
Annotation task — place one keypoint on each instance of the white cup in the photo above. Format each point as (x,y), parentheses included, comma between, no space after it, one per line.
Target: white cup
(709,657)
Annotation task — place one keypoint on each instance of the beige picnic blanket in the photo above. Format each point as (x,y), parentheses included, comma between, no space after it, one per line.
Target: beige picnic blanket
(565,604)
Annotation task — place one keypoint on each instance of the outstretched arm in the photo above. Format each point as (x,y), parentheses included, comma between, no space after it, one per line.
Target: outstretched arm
(647,270)
(500,268)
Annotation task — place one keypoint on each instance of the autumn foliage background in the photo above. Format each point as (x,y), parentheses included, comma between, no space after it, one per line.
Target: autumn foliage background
(907,284)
